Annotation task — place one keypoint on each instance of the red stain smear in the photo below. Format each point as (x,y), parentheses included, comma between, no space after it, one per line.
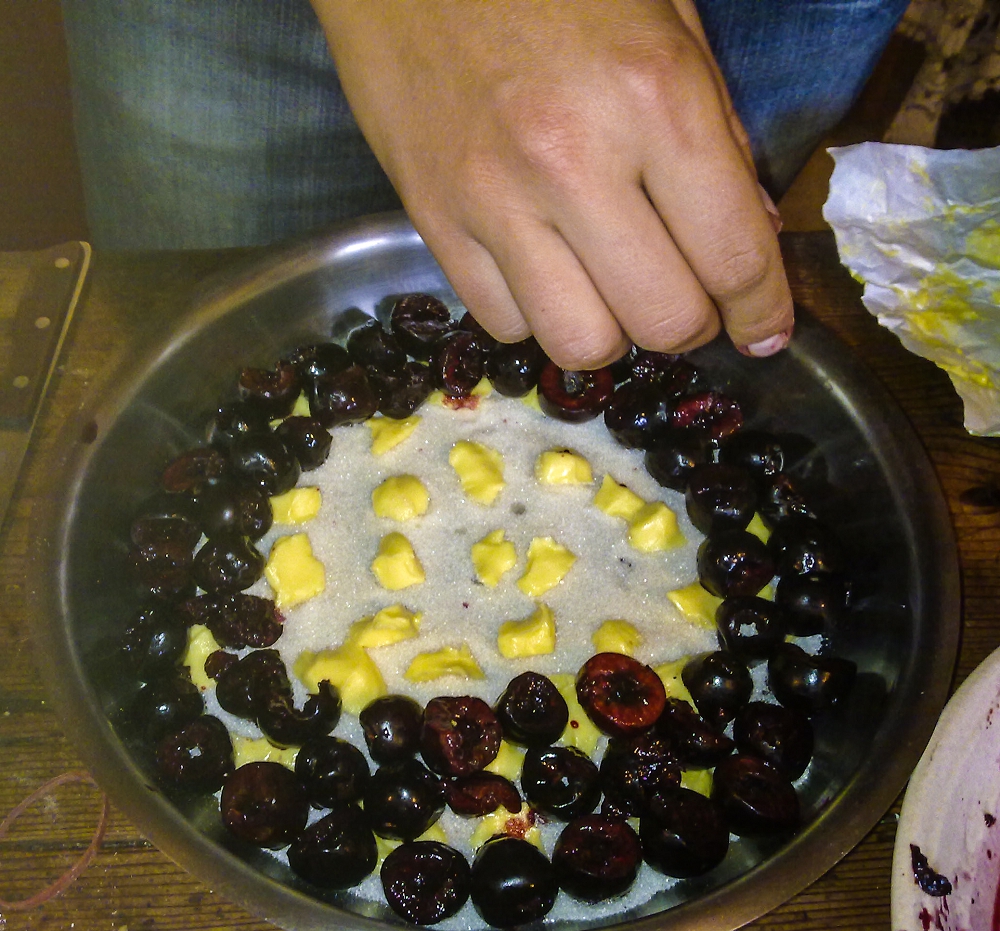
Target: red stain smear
(461,404)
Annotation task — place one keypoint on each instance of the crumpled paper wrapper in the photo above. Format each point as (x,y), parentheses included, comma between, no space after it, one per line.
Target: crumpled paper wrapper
(920,228)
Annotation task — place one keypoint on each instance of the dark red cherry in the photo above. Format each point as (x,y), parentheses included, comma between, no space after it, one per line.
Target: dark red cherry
(711,413)
(458,363)
(198,757)
(227,565)
(163,567)
(192,470)
(336,852)
(418,321)
(245,684)
(560,782)
(757,451)
(272,390)
(668,373)
(332,771)
(264,804)
(805,546)
(460,735)
(734,562)
(319,359)
(166,704)
(683,834)
(574,396)
(813,604)
(482,793)
(236,621)
(308,440)
(155,640)
(284,725)
(596,858)
(392,727)
(513,882)
(691,739)
(754,796)
(401,393)
(810,684)
(781,736)
(372,347)
(166,516)
(234,507)
(720,685)
(264,459)
(634,769)
(637,416)
(345,397)
(619,694)
(513,368)
(674,457)
(720,497)
(234,420)
(403,800)
(531,711)
(750,627)
(781,498)
(425,882)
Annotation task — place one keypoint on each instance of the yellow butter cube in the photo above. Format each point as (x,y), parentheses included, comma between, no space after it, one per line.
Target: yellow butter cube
(617,500)
(517,824)
(396,566)
(532,636)
(400,497)
(261,750)
(301,406)
(547,565)
(388,626)
(617,637)
(580,731)
(293,573)
(200,646)
(448,661)
(531,400)
(508,761)
(757,528)
(697,780)
(673,684)
(349,668)
(654,528)
(483,389)
(563,467)
(492,557)
(296,506)
(479,469)
(696,604)
(388,433)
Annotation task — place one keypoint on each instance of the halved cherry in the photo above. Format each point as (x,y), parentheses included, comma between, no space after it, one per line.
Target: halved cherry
(460,735)
(620,694)
(574,396)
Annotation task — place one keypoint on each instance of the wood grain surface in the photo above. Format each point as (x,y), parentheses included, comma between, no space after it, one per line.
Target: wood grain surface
(131,886)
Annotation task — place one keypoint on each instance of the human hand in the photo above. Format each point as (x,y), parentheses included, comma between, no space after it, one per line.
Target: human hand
(575,167)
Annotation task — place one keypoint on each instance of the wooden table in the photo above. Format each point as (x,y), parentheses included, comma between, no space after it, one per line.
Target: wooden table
(131,885)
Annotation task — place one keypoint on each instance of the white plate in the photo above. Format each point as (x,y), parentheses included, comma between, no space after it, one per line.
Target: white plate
(951,812)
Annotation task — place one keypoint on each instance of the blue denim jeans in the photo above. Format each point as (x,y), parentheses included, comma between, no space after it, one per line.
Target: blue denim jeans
(212,123)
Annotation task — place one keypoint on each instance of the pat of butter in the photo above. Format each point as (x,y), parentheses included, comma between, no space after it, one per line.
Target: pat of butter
(531,400)
(479,469)
(617,500)
(400,497)
(532,636)
(200,646)
(261,750)
(548,563)
(617,636)
(508,762)
(696,604)
(388,433)
(448,661)
(757,528)
(654,528)
(580,731)
(296,506)
(396,566)
(301,407)
(349,668)
(519,824)
(293,573)
(563,467)
(697,780)
(388,626)
(492,557)
(673,684)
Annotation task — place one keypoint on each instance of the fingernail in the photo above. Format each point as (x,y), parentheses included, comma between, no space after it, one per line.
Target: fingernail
(770,208)
(767,347)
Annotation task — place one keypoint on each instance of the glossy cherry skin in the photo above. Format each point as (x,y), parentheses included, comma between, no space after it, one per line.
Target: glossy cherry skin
(234,507)
(401,393)
(513,368)
(245,684)
(308,440)
(596,858)
(167,703)
(711,413)
(155,640)
(265,460)
(683,833)
(319,359)
(637,415)
(634,769)
(734,562)
(163,568)
(810,684)
(343,398)
(692,740)
(418,321)
(460,735)
(720,685)
(458,363)
(236,621)
(560,781)
(234,420)
(813,604)
(198,757)
(806,546)
(750,626)
(425,882)
(531,711)
(264,804)
(403,800)
(513,882)
(675,456)
(782,498)
(332,771)
(574,396)
(482,793)
(392,727)
(284,725)
(371,346)
(781,736)
(272,390)
(189,472)
(755,796)
(336,852)
(758,451)
(228,564)
(720,497)
(620,695)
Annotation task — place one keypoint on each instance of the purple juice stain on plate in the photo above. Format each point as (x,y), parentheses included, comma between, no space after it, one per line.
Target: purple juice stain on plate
(929,880)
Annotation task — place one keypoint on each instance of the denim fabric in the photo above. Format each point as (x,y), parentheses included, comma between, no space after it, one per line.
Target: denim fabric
(211,123)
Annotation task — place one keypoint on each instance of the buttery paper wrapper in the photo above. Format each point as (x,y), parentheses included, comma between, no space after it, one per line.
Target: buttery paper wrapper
(920,228)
